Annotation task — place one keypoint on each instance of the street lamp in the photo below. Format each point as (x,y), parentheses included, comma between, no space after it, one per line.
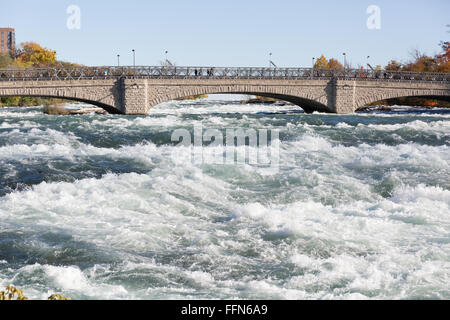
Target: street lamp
(270,60)
(345,60)
(313,64)
(134,58)
(118,60)
(368,57)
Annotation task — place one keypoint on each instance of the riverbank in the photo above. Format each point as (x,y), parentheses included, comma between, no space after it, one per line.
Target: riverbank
(195,97)
(28,101)
(412,101)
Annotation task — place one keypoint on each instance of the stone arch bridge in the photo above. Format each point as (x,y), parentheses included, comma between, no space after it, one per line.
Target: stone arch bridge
(135,90)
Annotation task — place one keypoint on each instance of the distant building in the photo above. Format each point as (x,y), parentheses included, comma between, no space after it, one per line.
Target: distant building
(7,40)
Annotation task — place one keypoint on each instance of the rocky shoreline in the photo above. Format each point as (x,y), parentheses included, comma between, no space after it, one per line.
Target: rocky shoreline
(265,100)
(60,109)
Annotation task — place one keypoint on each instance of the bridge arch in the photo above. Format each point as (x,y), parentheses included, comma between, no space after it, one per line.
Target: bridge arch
(307,99)
(371,97)
(107,108)
(101,93)
(137,94)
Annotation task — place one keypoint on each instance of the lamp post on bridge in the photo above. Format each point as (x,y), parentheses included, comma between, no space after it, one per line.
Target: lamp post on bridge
(118,60)
(271,63)
(134,57)
(345,60)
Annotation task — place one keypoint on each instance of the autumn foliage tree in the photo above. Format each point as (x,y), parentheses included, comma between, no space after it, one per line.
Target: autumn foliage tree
(28,55)
(33,55)
(334,64)
(321,63)
(394,66)
(423,63)
(324,63)
(443,60)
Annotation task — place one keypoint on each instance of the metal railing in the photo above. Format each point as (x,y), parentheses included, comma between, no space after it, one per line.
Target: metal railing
(174,72)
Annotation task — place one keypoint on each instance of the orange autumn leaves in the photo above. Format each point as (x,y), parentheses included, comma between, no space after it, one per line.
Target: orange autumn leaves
(32,54)
(324,63)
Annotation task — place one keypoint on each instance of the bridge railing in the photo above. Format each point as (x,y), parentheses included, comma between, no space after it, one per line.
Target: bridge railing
(175,72)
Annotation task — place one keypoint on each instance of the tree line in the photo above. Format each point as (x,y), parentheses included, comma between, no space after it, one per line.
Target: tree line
(420,62)
(423,63)
(30,55)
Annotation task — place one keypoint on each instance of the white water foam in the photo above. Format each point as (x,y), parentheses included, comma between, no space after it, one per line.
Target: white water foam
(314,230)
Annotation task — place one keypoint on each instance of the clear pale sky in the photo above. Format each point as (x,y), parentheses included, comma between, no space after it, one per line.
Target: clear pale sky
(230,32)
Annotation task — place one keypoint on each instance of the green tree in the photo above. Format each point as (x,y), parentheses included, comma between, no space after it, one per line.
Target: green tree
(5,60)
(10,101)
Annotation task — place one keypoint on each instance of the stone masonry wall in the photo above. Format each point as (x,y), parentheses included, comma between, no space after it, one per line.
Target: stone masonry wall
(351,95)
(105,93)
(161,90)
(138,96)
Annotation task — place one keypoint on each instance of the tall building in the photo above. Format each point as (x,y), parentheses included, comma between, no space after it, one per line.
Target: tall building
(7,40)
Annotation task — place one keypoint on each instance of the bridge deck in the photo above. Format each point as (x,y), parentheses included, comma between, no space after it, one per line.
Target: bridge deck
(79,73)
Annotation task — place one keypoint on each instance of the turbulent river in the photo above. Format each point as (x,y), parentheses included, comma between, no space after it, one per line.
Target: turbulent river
(109,207)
